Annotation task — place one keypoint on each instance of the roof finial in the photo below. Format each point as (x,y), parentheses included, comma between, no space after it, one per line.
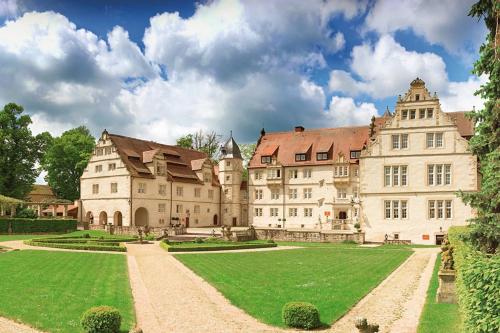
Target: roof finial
(231,133)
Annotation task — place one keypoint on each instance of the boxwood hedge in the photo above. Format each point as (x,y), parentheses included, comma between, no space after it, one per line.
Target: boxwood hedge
(77,246)
(202,248)
(301,315)
(477,284)
(31,226)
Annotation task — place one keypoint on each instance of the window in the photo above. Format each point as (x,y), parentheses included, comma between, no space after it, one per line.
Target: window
(95,188)
(439,174)
(307,193)
(404,114)
(308,212)
(413,113)
(161,208)
(274,173)
(300,157)
(265,159)
(273,212)
(396,175)
(226,191)
(114,187)
(341,193)
(356,171)
(275,194)
(210,194)
(160,169)
(258,211)
(430,113)
(307,173)
(258,194)
(321,156)
(111,166)
(421,113)
(107,150)
(179,190)
(440,209)
(400,141)
(197,192)
(292,193)
(178,209)
(341,171)
(142,188)
(293,174)
(434,140)
(162,189)
(417,97)
(355,154)
(161,221)
(396,209)
(292,212)
(207,177)
(228,177)
(257,175)
(98,168)
(99,151)
(228,163)
(196,209)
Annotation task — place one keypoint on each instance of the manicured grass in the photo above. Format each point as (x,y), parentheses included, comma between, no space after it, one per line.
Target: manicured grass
(92,233)
(334,279)
(318,244)
(5,238)
(51,290)
(438,317)
(218,245)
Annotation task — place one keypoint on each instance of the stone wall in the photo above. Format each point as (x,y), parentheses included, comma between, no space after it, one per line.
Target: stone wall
(133,231)
(295,235)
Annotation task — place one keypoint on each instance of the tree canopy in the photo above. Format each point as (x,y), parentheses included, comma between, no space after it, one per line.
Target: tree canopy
(65,159)
(20,151)
(207,142)
(485,143)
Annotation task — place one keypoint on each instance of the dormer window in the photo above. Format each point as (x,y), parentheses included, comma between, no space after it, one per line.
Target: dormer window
(160,169)
(355,154)
(265,159)
(321,156)
(300,157)
(417,97)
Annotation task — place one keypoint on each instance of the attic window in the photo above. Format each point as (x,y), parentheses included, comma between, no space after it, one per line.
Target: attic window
(265,159)
(355,154)
(413,114)
(417,97)
(300,157)
(404,114)
(430,113)
(321,156)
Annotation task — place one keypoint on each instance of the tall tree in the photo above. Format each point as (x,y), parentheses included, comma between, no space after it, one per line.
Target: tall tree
(485,143)
(207,142)
(65,160)
(19,152)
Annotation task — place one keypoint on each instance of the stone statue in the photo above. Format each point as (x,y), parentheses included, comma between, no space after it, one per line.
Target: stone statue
(447,261)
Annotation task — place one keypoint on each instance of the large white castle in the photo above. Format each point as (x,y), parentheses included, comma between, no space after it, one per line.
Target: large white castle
(397,178)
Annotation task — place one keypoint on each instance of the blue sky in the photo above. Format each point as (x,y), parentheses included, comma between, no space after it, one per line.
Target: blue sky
(161,69)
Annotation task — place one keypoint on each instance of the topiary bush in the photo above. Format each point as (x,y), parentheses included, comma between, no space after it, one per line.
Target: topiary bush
(301,315)
(26,213)
(198,240)
(101,319)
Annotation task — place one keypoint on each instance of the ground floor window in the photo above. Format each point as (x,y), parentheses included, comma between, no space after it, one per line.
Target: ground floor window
(273,212)
(395,209)
(258,212)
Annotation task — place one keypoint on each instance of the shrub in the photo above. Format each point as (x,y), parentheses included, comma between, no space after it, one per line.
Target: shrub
(26,213)
(30,226)
(357,225)
(301,315)
(4,226)
(101,319)
(477,284)
(270,241)
(198,240)
(86,235)
(76,246)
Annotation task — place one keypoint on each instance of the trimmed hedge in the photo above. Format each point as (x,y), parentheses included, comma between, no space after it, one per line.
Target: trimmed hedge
(101,319)
(203,248)
(77,246)
(300,315)
(477,284)
(30,226)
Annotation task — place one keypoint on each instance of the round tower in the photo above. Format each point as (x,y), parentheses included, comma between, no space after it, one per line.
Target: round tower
(230,178)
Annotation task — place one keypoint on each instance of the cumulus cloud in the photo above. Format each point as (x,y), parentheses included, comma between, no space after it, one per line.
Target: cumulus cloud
(345,111)
(443,22)
(8,8)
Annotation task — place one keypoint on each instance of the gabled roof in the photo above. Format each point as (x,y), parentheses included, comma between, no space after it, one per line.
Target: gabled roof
(135,153)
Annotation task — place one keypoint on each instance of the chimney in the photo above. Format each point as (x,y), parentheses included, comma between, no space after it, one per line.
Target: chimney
(299,128)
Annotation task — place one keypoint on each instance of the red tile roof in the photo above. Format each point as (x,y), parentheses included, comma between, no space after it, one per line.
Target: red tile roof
(465,125)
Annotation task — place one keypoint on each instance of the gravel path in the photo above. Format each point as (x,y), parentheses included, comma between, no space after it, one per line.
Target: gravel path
(9,326)
(397,302)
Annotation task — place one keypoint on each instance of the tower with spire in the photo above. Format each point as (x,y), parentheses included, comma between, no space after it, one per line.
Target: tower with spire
(230,178)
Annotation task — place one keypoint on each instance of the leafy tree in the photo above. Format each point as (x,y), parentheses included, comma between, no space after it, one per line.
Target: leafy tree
(485,143)
(65,160)
(207,142)
(247,150)
(19,152)
(185,141)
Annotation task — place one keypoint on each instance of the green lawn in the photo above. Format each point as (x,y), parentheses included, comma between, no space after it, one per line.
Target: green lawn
(332,278)
(92,233)
(438,317)
(50,290)
(5,238)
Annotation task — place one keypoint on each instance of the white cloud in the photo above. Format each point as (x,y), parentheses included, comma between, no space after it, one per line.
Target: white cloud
(345,111)
(443,22)
(8,8)
(459,96)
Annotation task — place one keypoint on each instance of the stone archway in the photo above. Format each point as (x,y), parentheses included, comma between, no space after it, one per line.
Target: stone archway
(103,218)
(141,217)
(89,217)
(117,219)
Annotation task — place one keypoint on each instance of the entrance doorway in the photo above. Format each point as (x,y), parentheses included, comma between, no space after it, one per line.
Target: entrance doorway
(141,217)
(439,239)
(342,215)
(215,219)
(234,221)
(187,222)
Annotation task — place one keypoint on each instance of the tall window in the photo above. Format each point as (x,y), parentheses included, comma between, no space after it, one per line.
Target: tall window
(111,166)
(292,193)
(275,194)
(210,194)
(114,187)
(273,212)
(95,188)
(396,209)
(197,192)
(430,113)
(396,175)
(258,211)
(292,212)
(342,193)
(274,173)
(258,194)
(440,209)
(308,212)
(307,193)
(293,174)
(413,114)
(307,173)
(421,113)
(257,175)
(161,208)
(341,171)
(162,189)
(160,169)
(434,140)
(142,188)
(404,114)
(98,168)
(178,209)
(439,174)
(399,141)
(179,191)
